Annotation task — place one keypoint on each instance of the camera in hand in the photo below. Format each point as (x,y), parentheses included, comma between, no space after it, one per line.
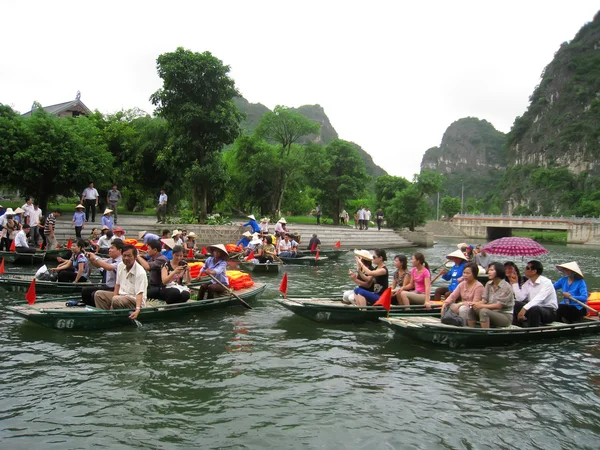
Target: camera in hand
(183,263)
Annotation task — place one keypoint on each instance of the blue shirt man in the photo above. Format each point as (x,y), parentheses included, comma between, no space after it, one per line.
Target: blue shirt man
(253,224)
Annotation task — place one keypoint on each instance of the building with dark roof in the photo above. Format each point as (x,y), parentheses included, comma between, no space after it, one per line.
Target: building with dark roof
(73,108)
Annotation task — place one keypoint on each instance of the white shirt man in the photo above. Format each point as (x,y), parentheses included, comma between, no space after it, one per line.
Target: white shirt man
(27,207)
(34,216)
(21,239)
(90,193)
(536,299)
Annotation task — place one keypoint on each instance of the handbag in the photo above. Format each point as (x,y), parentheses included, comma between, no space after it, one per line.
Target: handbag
(452,318)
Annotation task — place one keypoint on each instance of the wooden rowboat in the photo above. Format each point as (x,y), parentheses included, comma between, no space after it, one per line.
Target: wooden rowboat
(55,314)
(306,260)
(273,267)
(17,282)
(431,330)
(23,258)
(64,253)
(326,310)
(331,253)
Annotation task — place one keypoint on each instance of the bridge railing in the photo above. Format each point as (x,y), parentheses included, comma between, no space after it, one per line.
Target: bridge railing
(572,219)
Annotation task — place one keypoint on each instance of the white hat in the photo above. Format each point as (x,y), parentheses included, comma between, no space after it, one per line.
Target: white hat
(457,254)
(572,266)
(79,206)
(175,232)
(282,220)
(247,234)
(364,254)
(19,211)
(251,216)
(264,219)
(10,212)
(107,211)
(462,244)
(169,242)
(192,234)
(141,234)
(218,247)
(256,240)
(255,235)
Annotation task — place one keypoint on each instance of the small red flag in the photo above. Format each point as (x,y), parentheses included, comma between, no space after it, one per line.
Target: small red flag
(2,266)
(41,245)
(283,285)
(57,245)
(385,300)
(30,296)
(204,251)
(190,253)
(70,243)
(338,244)
(317,256)
(250,257)
(144,248)
(12,246)
(313,247)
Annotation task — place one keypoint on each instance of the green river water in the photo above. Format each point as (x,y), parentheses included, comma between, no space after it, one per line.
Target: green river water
(264,378)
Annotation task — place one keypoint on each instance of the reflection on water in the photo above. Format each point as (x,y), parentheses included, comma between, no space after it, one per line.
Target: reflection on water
(264,378)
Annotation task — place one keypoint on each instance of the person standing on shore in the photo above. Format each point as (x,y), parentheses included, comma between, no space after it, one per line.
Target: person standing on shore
(49,226)
(367,218)
(27,207)
(318,214)
(379,216)
(34,221)
(161,211)
(89,198)
(112,198)
(361,218)
(78,220)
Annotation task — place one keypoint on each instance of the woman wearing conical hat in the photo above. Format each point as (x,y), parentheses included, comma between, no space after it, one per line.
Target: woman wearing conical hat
(573,287)
(107,219)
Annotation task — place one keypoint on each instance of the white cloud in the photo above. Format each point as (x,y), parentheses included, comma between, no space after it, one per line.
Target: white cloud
(391,76)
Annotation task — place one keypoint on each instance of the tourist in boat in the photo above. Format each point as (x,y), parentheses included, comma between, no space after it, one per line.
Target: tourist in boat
(146,237)
(281,228)
(420,281)
(104,242)
(11,228)
(361,279)
(483,258)
(119,233)
(107,220)
(19,215)
(469,291)
(401,277)
(496,308)
(264,226)
(130,288)
(314,244)
(174,274)
(254,246)
(245,240)
(252,223)
(77,268)
(21,245)
(454,275)
(167,248)
(190,241)
(176,236)
(215,266)
(536,302)
(380,275)
(153,260)
(108,266)
(287,247)
(78,220)
(511,268)
(573,287)
(269,252)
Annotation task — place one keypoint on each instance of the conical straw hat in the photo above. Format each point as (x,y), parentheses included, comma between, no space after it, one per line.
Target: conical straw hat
(457,254)
(572,266)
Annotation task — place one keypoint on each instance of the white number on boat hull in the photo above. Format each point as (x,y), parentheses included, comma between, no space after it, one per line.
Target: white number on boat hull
(65,323)
(323,316)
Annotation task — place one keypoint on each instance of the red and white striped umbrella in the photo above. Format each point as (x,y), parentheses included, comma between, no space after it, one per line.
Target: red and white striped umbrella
(515,246)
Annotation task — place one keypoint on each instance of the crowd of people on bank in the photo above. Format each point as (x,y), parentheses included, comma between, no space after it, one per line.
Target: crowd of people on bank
(504,298)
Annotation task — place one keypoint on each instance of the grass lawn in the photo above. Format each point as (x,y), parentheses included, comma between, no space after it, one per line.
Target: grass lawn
(66,208)
(559,237)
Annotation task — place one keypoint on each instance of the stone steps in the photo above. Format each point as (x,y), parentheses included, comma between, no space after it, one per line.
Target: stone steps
(207,234)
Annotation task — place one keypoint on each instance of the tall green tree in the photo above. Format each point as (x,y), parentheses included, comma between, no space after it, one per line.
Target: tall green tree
(340,175)
(409,207)
(285,127)
(196,99)
(46,156)
(450,205)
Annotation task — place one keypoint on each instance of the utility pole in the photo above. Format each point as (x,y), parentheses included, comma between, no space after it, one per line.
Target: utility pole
(438,208)
(462,196)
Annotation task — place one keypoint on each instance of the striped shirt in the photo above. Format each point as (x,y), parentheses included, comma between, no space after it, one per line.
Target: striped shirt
(50,222)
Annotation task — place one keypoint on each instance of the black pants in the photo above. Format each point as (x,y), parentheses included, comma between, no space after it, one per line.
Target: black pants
(68,276)
(263,259)
(78,232)
(174,295)
(318,219)
(570,313)
(211,288)
(90,204)
(35,234)
(5,244)
(87,293)
(379,223)
(25,250)
(535,316)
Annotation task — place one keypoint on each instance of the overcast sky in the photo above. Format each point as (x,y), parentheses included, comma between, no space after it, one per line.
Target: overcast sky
(391,77)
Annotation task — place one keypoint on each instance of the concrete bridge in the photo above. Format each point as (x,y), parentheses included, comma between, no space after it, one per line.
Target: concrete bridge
(580,230)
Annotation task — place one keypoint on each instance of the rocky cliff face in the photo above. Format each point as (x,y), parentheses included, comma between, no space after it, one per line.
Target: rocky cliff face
(561,127)
(470,153)
(327,133)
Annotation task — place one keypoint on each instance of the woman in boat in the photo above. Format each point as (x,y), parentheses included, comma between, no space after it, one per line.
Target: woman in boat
(420,281)
(190,242)
(359,277)
(215,266)
(281,228)
(245,240)
(176,236)
(11,228)
(573,287)
(264,226)
(379,274)
(469,291)
(77,268)
(255,246)
(104,242)
(174,274)
(94,235)
(269,252)
(107,220)
(498,301)
(401,278)
(453,275)
(510,268)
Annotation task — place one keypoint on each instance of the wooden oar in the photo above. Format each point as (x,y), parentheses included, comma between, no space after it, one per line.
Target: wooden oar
(242,301)
(589,308)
